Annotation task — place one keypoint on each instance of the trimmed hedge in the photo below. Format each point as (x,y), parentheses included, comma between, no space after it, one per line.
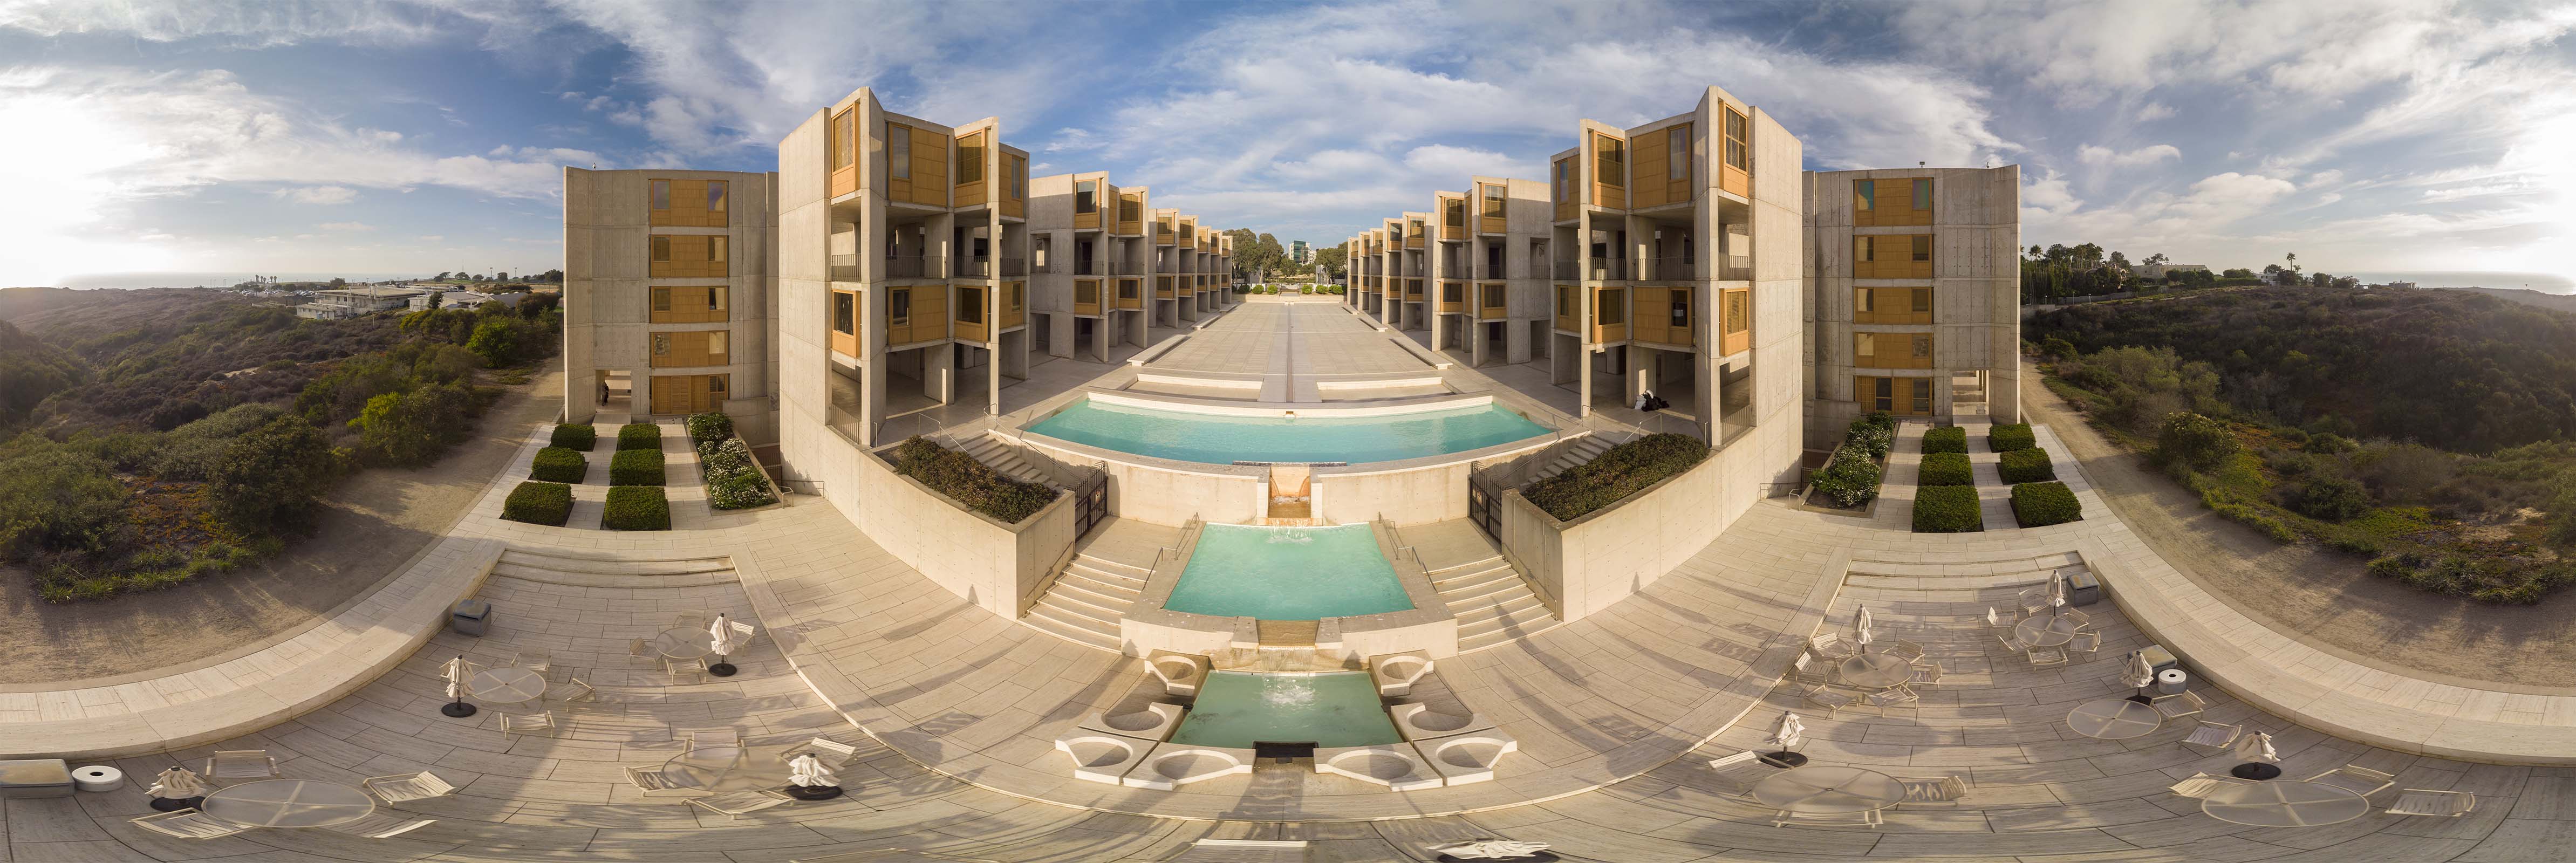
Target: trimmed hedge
(635,467)
(639,436)
(2026,465)
(2011,437)
(559,464)
(1615,474)
(1848,480)
(1871,439)
(739,490)
(546,503)
(722,457)
(1947,509)
(708,427)
(580,437)
(971,483)
(2040,504)
(1945,439)
(636,507)
(1947,468)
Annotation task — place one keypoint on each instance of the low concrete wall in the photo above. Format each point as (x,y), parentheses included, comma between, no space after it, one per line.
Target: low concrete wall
(1592,562)
(994,565)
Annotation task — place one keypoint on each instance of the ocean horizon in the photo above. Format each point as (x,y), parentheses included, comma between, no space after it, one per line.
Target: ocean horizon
(2547,283)
(222,278)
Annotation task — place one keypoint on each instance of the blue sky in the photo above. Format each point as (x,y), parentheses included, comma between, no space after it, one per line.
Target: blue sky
(424,136)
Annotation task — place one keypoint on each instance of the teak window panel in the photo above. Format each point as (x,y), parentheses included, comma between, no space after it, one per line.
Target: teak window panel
(1015,185)
(1892,256)
(1494,218)
(1663,174)
(1015,304)
(1892,350)
(1131,212)
(1609,171)
(689,394)
(1453,297)
(688,256)
(1565,314)
(845,152)
(1664,316)
(1086,204)
(916,313)
(689,349)
(693,304)
(1891,202)
(1453,218)
(1735,160)
(917,161)
(1129,294)
(1735,321)
(1609,315)
(1495,297)
(689,203)
(1891,305)
(1413,235)
(1911,397)
(1086,296)
(1563,189)
(970,170)
(845,323)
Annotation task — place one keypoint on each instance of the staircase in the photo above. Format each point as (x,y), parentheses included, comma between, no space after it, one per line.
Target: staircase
(1087,601)
(1584,449)
(1493,605)
(1006,460)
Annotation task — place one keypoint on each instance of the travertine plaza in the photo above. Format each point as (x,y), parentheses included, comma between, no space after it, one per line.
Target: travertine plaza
(1285,593)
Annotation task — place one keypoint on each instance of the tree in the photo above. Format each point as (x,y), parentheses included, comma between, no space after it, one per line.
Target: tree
(501,276)
(2196,441)
(441,277)
(1331,259)
(412,428)
(2156,259)
(338,282)
(54,499)
(496,340)
(273,478)
(2119,260)
(437,298)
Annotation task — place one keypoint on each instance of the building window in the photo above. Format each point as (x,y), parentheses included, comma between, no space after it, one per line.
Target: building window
(1610,307)
(661,344)
(1494,261)
(716,298)
(1739,311)
(661,194)
(1019,179)
(1681,307)
(1735,135)
(716,343)
(1084,200)
(844,150)
(1493,202)
(899,151)
(716,196)
(716,249)
(1086,293)
(1922,300)
(1610,166)
(970,305)
(1922,346)
(1453,212)
(845,313)
(1923,194)
(1038,254)
(970,159)
(1129,206)
(1922,248)
(716,383)
(661,250)
(1564,301)
(661,299)
(1868,249)
(1680,155)
(899,307)
(1864,195)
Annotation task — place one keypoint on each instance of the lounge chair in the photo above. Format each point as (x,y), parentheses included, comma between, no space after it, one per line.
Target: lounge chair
(1807,668)
(242,764)
(533,660)
(1937,791)
(2356,779)
(689,620)
(832,753)
(2013,643)
(2213,736)
(1925,674)
(188,824)
(654,783)
(1825,697)
(704,738)
(1895,697)
(2201,785)
(1828,645)
(533,723)
(2086,641)
(739,803)
(1905,650)
(642,649)
(1743,769)
(2050,656)
(380,825)
(407,787)
(575,689)
(1996,619)
(2439,804)
(2081,619)
(1865,818)
(2179,705)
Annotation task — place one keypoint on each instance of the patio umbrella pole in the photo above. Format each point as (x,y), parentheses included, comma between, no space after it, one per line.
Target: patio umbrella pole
(721,668)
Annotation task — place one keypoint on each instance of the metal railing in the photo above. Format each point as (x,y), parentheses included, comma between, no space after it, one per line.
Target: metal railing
(1123,268)
(845,268)
(915,267)
(976,268)
(1671,269)
(1735,268)
(1598,269)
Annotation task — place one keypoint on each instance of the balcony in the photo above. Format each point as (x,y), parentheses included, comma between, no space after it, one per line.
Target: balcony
(845,268)
(1735,268)
(915,267)
(1598,269)
(1123,268)
(1671,269)
(978,268)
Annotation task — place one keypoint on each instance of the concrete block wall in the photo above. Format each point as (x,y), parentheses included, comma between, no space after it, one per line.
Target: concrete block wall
(607,291)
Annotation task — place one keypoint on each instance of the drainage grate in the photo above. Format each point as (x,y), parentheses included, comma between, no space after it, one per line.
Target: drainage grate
(1283,753)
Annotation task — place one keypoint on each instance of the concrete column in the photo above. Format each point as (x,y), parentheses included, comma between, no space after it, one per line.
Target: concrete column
(939,372)
(1642,372)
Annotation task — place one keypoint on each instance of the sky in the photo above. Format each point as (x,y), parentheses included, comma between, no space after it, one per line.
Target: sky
(390,136)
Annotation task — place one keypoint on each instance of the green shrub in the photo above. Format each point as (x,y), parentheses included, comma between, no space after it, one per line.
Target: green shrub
(1871,439)
(2007,438)
(2195,441)
(635,467)
(2328,443)
(2025,465)
(413,428)
(1615,474)
(728,456)
(2327,497)
(546,503)
(1848,480)
(2227,507)
(639,436)
(272,478)
(971,483)
(191,451)
(1947,509)
(2056,348)
(559,464)
(577,437)
(2040,504)
(1945,439)
(1881,419)
(739,490)
(1947,468)
(636,507)
(707,427)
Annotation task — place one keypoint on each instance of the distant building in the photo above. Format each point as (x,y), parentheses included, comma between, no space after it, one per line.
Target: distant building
(1299,252)
(2158,271)
(448,299)
(2399,285)
(352,302)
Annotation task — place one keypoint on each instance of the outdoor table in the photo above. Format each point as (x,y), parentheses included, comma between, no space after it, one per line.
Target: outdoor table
(2284,804)
(2046,629)
(2114,719)
(1829,790)
(727,768)
(506,685)
(289,803)
(684,643)
(1875,670)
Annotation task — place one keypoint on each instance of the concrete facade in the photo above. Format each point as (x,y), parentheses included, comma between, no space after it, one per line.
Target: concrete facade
(608,325)
(1976,296)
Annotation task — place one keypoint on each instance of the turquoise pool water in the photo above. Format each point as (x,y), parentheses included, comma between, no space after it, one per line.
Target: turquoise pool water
(1287,573)
(1237,709)
(1224,440)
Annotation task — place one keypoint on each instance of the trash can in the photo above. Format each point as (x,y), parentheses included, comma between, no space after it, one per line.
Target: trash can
(470,617)
(2083,587)
(2171,681)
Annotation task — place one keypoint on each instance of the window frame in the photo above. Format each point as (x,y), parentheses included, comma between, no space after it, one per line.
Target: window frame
(898,151)
(845,149)
(661,195)
(1921,249)
(717,196)
(1609,153)
(1608,302)
(1864,196)
(845,313)
(1086,196)
(1738,132)
(970,169)
(1923,194)
(1677,141)
(661,249)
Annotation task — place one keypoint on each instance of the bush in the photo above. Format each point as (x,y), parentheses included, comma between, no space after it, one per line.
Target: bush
(413,428)
(708,427)
(639,436)
(273,478)
(2008,438)
(1946,468)
(191,452)
(2195,441)
(559,464)
(576,437)
(635,467)
(1881,419)
(1615,474)
(720,458)
(2328,443)
(971,483)
(546,503)
(1945,439)
(636,507)
(2026,465)
(739,490)
(2040,504)
(1947,509)
(1871,439)
(2056,348)
(2327,497)
(2229,508)
(1848,480)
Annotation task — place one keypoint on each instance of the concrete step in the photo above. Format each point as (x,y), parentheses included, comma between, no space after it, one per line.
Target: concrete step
(1090,600)
(1072,627)
(1105,577)
(1584,450)
(1473,566)
(610,566)
(1500,584)
(1501,630)
(1482,609)
(1111,566)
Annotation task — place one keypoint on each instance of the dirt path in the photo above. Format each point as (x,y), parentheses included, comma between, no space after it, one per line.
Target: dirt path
(2323,596)
(374,525)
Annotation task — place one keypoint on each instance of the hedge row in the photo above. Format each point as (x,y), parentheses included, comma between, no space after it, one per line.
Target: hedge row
(1945,439)
(1947,468)
(1947,509)
(733,476)
(546,503)
(579,437)
(1851,479)
(639,436)
(635,467)
(1615,474)
(707,428)
(2040,504)
(2007,438)
(971,483)
(2026,465)
(636,507)
(559,464)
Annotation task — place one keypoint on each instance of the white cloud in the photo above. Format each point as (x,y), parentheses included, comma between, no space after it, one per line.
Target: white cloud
(346,226)
(2154,111)
(323,195)
(2148,155)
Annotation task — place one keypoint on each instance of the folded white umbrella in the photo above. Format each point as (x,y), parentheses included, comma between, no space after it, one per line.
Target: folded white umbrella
(2057,589)
(2139,672)
(1789,733)
(455,675)
(2257,747)
(722,641)
(177,783)
(808,771)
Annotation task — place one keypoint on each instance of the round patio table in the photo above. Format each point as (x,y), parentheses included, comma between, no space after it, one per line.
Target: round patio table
(2114,719)
(2048,629)
(507,685)
(288,803)
(684,643)
(1875,670)
(1825,789)
(727,768)
(2284,804)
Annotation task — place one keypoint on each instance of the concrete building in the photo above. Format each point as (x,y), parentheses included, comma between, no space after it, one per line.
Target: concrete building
(1092,259)
(340,303)
(2158,271)
(1299,252)
(667,304)
(456,299)
(1489,270)
(1913,295)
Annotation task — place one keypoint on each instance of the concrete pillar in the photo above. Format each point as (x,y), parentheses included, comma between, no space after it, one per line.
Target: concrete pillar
(1642,372)
(1060,328)
(938,372)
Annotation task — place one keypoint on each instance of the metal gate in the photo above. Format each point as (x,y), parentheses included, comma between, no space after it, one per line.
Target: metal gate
(1091,503)
(1484,503)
